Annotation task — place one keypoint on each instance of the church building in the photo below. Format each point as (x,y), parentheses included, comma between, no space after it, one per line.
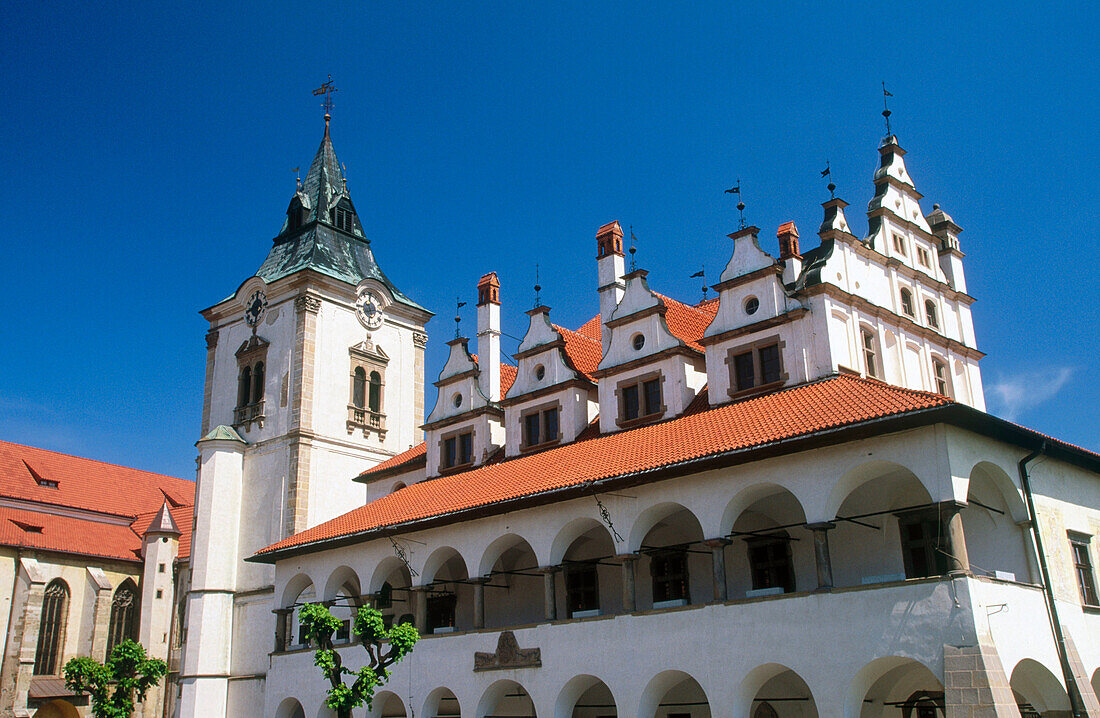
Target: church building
(787,501)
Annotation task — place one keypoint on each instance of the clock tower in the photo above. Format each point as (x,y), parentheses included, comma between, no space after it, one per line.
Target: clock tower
(314,373)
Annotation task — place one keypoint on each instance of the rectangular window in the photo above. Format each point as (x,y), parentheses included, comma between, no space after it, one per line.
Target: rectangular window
(441,611)
(466,448)
(770,563)
(899,244)
(160,568)
(744,371)
(630,402)
(457,450)
(540,427)
(343,631)
(652,390)
(942,385)
(770,370)
(923,257)
(550,423)
(670,576)
(923,545)
(760,366)
(640,399)
(450,452)
(1082,565)
(582,588)
(869,353)
(531,425)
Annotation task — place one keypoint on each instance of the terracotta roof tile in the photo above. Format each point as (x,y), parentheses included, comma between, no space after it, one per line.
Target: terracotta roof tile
(81,536)
(686,322)
(798,411)
(405,457)
(584,351)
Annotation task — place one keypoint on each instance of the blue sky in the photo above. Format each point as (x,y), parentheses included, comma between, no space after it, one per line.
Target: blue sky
(148,153)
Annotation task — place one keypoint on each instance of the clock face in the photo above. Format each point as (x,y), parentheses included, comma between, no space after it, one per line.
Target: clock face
(255,307)
(369,310)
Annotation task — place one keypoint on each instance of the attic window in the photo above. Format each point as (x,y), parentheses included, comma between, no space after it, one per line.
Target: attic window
(40,479)
(343,219)
(640,399)
(29,528)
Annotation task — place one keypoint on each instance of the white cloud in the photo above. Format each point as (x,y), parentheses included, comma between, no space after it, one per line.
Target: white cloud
(1011,396)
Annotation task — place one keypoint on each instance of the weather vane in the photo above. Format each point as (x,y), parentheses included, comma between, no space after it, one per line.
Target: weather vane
(326,89)
(828,173)
(458,317)
(702,274)
(736,189)
(633,249)
(538,301)
(886,108)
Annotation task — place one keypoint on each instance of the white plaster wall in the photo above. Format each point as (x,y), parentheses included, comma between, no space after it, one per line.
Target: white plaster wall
(682,379)
(577,408)
(9,567)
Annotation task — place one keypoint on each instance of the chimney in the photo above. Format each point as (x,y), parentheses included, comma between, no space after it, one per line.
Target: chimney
(787,234)
(488,335)
(610,267)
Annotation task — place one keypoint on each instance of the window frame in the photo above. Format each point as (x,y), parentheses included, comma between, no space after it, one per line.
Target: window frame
(124,619)
(932,314)
(664,578)
(899,244)
(1082,571)
(870,354)
(545,439)
(637,383)
(933,547)
(50,647)
(941,385)
(754,349)
(762,568)
(363,413)
(907,307)
(924,258)
(582,586)
(456,436)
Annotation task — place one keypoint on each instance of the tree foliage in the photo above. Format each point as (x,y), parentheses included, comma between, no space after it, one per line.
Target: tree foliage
(320,624)
(113,687)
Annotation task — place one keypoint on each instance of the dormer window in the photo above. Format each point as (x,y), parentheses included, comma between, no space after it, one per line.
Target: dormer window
(931,314)
(755,366)
(541,426)
(343,219)
(640,399)
(457,450)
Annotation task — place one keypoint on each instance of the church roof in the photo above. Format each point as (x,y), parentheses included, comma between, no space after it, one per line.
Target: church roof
(799,412)
(75,505)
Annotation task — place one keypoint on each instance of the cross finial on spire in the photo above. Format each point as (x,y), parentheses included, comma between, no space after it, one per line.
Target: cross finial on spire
(326,89)
(538,300)
(886,108)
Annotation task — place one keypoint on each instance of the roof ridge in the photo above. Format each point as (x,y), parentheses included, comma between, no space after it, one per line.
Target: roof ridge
(86,458)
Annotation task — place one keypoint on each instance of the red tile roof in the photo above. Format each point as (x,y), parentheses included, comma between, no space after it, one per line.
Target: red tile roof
(686,322)
(405,457)
(584,351)
(118,503)
(799,411)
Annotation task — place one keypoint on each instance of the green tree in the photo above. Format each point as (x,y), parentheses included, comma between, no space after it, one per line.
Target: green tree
(320,624)
(114,686)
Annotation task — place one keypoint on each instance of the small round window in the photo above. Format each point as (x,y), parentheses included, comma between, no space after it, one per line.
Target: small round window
(457,400)
(751,305)
(540,372)
(638,342)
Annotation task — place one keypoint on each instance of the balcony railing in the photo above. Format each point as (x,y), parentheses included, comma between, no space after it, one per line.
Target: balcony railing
(366,420)
(245,416)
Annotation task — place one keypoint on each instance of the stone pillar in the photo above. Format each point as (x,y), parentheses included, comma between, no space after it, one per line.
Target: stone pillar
(420,607)
(1086,697)
(479,601)
(975,684)
(303,371)
(1029,551)
(101,612)
(718,566)
(549,594)
(629,596)
(957,559)
(822,558)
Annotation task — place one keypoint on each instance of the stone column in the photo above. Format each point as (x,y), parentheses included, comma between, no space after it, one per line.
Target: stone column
(479,601)
(958,561)
(821,554)
(718,565)
(1029,551)
(420,607)
(629,597)
(549,594)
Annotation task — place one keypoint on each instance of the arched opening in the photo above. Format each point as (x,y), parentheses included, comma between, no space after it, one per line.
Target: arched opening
(51,632)
(674,693)
(359,388)
(995,543)
(124,610)
(57,709)
(387,704)
(886,685)
(907,303)
(450,596)
(441,703)
(343,596)
(674,559)
(514,593)
(1037,691)
(585,697)
(887,528)
(506,698)
(398,486)
(590,583)
(770,553)
(389,588)
(258,383)
(244,387)
(775,691)
(931,314)
(290,708)
(375,394)
(297,636)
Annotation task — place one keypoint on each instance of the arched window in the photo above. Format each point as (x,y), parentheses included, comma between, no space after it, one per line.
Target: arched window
(375,392)
(245,386)
(123,616)
(941,376)
(51,632)
(930,311)
(907,303)
(870,351)
(359,388)
(258,383)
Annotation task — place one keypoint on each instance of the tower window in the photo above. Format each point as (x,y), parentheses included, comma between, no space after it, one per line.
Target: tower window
(359,388)
(942,378)
(368,377)
(931,314)
(870,351)
(754,366)
(51,630)
(907,303)
(251,360)
(374,401)
(343,219)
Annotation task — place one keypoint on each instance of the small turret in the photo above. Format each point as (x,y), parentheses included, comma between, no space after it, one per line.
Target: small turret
(610,268)
(488,335)
(947,232)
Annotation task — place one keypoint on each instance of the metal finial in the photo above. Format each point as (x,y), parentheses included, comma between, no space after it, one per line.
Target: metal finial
(326,89)
(828,173)
(633,249)
(298,176)
(702,273)
(459,304)
(886,108)
(736,189)
(538,301)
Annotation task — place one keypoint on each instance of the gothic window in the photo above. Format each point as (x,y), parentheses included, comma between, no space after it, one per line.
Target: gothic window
(123,616)
(931,314)
(359,388)
(941,376)
(640,398)
(757,365)
(923,545)
(870,351)
(770,562)
(582,587)
(907,303)
(540,426)
(51,631)
(368,377)
(670,576)
(1082,566)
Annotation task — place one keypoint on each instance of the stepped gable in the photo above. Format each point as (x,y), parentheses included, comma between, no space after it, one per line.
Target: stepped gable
(795,412)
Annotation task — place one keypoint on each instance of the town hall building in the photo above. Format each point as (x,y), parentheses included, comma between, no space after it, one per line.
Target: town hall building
(787,501)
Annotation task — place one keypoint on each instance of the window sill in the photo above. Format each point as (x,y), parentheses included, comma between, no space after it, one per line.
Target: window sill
(671,603)
(539,447)
(456,469)
(756,390)
(1089,608)
(641,420)
(758,592)
(587,613)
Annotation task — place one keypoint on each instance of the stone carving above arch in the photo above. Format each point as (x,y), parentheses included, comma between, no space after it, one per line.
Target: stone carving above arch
(508,655)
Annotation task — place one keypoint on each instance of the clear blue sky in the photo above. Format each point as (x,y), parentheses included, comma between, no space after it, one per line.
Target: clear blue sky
(148,152)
